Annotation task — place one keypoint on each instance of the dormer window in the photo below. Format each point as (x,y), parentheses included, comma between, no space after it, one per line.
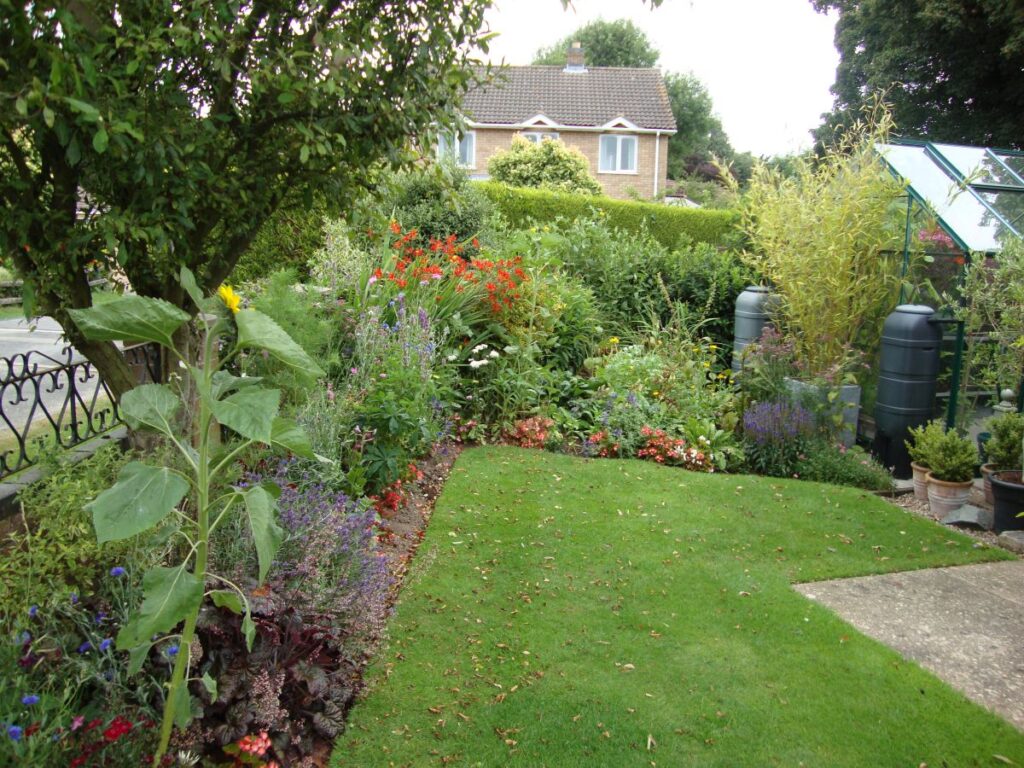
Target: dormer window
(536,137)
(462,148)
(617,154)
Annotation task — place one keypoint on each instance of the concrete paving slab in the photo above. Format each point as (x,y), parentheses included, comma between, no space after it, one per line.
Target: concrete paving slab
(1013,540)
(964,624)
(969,514)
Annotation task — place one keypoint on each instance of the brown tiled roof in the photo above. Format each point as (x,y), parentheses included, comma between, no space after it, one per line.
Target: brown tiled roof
(587,99)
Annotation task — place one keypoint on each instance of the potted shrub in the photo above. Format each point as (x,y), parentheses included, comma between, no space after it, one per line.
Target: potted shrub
(1003,448)
(918,446)
(994,293)
(951,459)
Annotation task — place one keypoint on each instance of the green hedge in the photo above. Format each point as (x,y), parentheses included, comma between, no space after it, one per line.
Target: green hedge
(521,207)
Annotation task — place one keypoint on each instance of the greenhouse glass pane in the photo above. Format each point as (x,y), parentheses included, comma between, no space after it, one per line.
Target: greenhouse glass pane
(964,214)
(1016,162)
(976,165)
(1009,205)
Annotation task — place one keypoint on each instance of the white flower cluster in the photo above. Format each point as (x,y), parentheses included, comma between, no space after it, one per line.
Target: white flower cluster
(484,356)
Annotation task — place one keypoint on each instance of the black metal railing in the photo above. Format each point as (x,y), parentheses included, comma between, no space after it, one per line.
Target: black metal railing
(49,403)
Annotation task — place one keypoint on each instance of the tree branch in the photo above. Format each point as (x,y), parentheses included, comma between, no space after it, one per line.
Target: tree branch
(18,156)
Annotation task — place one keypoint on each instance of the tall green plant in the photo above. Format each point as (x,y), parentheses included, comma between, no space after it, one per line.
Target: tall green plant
(145,496)
(824,237)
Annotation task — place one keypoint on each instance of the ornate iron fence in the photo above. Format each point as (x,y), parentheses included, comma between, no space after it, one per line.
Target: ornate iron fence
(58,402)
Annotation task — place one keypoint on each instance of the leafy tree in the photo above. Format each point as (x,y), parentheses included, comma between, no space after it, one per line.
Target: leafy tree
(953,71)
(618,43)
(699,132)
(545,165)
(159,134)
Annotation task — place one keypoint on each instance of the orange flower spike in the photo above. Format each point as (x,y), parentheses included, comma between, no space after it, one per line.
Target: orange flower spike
(395,227)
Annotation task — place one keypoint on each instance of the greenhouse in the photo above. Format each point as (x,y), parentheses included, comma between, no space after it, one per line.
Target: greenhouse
(962,202)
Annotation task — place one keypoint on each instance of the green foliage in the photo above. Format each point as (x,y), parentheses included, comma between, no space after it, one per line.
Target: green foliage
(1004,448)
(57,553)
(669,225)
(84,704)
(304,315)
(828,463)
(144,496)
(992,306)
(547,165)
(951,457)
(706,193)
(187,125)
(825,240)
(958,67)
(437,200)
(635,280)
(618,43)
(922,441)
(699,134)
(284,241)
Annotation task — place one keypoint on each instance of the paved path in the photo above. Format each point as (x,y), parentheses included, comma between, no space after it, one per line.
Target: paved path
(20,335)
(964,624)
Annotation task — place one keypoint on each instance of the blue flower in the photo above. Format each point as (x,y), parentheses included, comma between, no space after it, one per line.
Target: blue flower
(14,732)
(105,644)
(100,617)
(85,647)
(172,651)
(33,610)
(117,570)
(29,700)
(74,599)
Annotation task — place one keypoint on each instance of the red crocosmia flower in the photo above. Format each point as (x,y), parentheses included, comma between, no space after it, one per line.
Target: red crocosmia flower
(476,243)
(395,227)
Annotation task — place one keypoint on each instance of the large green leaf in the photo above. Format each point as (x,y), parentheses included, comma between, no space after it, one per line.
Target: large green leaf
(150,406)
(170,595)
(287,434)
(130,318)
(224,382)
(188,282)
(141,498)
(250,412)
(227,598)
(256,330)
(266,533)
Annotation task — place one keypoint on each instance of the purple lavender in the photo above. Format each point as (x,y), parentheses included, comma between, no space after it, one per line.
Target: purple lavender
(765,423)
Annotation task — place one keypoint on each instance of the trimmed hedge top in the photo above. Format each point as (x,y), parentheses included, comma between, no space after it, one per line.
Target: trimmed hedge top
(666,223)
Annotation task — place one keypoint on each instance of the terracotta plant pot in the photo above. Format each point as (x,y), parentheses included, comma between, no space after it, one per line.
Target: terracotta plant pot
(1008,493)
(945,497)
(920,481)
(986,474)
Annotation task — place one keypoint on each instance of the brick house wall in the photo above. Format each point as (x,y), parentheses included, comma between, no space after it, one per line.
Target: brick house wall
(620,185)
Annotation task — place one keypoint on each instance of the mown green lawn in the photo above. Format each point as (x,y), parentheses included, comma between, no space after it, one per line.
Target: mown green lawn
(566,612)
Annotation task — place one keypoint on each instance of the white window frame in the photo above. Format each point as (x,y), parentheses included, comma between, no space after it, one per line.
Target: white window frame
(536,137)
(619,138)
(447,147)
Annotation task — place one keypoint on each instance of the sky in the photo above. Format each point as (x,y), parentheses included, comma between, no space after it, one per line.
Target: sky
(768,64)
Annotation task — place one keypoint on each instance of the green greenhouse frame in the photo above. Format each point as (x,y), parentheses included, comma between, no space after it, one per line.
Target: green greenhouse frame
(975,194)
